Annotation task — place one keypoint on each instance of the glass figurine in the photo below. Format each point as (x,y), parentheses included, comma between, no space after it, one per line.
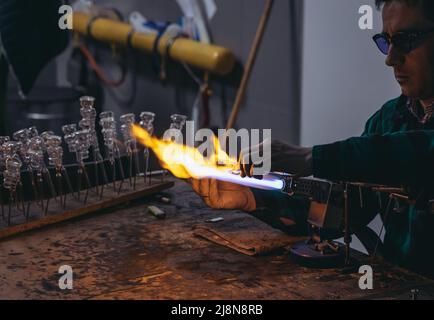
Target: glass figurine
(130,142)
(147,123)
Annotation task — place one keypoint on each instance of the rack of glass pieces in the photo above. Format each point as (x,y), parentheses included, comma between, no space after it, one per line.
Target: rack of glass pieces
(38,189)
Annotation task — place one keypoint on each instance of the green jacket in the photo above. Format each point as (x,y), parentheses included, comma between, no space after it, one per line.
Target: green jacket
(395,149)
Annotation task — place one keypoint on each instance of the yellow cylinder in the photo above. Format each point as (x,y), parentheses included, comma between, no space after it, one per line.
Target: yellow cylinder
(212,58)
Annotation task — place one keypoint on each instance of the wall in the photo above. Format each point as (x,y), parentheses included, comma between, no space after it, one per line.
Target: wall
(344,76)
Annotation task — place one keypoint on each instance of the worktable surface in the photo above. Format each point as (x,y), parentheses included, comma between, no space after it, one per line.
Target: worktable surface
(126,253)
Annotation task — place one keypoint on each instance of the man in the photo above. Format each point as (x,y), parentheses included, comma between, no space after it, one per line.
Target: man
(396,148)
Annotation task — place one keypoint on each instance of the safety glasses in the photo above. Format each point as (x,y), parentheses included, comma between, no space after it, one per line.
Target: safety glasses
(404,41)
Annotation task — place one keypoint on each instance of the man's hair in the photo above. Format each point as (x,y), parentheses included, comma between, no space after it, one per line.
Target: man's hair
(427,6)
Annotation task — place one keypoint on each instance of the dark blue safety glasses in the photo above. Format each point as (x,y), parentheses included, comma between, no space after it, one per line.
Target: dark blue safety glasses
(404,41)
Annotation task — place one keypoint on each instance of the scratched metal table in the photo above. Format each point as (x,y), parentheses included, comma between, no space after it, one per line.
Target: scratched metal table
(126,253)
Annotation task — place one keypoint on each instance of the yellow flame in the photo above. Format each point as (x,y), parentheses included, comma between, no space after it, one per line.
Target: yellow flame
(184,161)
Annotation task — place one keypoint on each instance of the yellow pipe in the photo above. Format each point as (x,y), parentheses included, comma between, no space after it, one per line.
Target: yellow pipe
(212,58)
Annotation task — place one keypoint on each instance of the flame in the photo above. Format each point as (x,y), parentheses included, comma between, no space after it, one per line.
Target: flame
(186,162)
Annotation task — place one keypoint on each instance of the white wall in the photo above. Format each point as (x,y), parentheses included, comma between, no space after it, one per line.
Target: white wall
(345,79)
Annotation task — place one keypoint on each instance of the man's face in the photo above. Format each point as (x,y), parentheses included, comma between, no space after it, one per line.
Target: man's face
(413,71)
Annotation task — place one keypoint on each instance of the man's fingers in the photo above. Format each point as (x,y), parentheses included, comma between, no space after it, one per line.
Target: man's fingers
(226,200)
(247,170)
(243,160)
(201,187)
(253,159)
(214,193)
(212,200)
(242,171)
(208,202)
(252,168)
(195,185)
(204,187)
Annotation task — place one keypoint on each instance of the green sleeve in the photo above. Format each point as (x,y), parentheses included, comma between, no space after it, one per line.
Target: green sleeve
(398,158)
(373,125)
(384,120)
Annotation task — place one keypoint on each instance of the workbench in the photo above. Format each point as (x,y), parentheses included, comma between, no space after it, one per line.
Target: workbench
(126,253)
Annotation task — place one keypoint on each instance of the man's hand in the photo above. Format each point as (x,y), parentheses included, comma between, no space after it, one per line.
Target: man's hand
(284,158)
(224,195)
